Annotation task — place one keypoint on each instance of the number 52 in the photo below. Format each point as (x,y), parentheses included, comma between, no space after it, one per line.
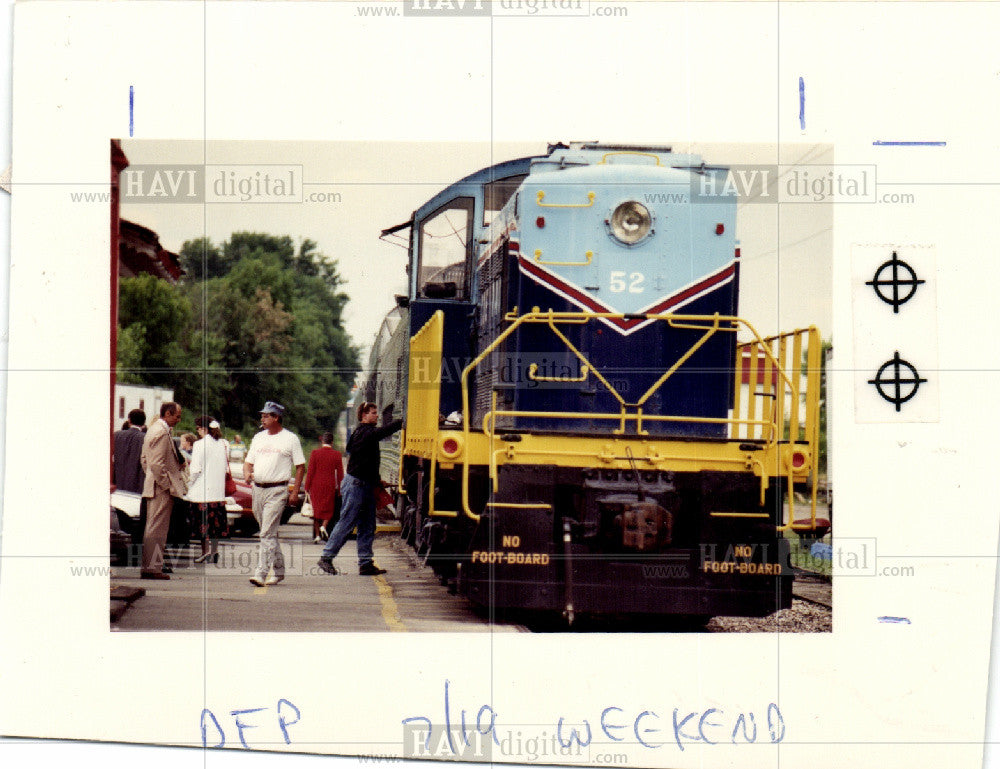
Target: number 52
(620,282)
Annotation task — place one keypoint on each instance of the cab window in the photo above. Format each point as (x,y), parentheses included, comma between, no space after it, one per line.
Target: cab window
(445,248)
(497,193)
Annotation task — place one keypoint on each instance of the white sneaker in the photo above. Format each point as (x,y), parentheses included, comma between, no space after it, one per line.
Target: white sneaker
(274,580)
(317,541)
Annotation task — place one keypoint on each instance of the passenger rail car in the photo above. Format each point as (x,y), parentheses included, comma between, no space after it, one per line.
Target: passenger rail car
(589,424)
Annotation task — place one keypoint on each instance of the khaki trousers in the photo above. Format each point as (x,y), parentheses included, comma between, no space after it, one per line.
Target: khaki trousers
(154,539)
(268,505)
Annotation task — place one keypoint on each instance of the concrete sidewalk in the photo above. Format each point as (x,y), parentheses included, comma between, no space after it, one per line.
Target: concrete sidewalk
(219,597)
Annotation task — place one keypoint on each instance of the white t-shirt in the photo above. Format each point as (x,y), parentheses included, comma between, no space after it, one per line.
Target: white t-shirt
(274,457)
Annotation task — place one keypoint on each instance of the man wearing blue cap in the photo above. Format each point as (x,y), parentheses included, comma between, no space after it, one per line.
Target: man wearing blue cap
(273,453)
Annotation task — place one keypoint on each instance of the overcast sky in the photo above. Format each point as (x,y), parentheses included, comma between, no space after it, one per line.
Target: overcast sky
(786,250)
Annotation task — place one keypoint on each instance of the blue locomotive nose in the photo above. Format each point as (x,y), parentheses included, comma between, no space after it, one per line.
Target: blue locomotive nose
(621,243)
(626,238)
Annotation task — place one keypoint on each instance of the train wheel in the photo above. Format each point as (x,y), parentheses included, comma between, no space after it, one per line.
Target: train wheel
(401,513)
(421,541)
(409,528)
(420,520)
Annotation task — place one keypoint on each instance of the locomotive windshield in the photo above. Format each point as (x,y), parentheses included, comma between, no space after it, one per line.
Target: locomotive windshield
(445,248)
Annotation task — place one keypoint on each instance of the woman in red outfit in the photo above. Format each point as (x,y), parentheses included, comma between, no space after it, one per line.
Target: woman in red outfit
(326,471)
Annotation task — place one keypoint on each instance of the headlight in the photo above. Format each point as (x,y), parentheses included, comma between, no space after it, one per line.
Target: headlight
(631,222)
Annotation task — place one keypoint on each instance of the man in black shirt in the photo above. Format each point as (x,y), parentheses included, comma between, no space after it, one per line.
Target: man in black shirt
(358,492)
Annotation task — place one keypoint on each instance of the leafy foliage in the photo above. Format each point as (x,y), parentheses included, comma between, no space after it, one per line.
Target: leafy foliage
(253,320)
(823,410)
(153,318)
(826,345)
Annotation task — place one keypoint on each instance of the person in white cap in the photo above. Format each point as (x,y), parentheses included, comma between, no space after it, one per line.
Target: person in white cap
(207,487)
(268,466)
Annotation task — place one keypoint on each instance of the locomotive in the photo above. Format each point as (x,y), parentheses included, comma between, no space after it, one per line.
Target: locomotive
(590,427)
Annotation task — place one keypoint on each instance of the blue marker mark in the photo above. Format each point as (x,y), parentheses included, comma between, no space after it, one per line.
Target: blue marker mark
(895,620)
(131,110)
(216,725)
(285,724)
(802,104)
(242,726)
(910,144)
(578,736)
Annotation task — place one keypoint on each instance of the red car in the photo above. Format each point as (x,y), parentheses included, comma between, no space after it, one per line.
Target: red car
(239,511)
(239,507)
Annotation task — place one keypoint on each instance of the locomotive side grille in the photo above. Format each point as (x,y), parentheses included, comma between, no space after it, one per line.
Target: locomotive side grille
(491,311)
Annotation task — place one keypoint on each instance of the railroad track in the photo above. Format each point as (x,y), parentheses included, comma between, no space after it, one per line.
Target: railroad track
(813,588)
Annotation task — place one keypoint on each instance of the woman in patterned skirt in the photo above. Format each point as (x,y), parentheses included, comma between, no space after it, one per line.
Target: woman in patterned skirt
(207,487)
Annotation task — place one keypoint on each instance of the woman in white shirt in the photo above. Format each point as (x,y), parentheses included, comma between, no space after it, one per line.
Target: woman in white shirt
(207,487)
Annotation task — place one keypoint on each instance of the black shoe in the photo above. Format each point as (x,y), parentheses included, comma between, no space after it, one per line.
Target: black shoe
(167,570)
(153,575)
(256,582)
(370,570)
(327,566)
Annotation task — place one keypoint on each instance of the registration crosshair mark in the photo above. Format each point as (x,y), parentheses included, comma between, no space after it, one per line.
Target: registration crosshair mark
(895,265)
(897,380)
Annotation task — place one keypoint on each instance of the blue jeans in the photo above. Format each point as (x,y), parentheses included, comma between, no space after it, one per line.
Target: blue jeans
(358,510)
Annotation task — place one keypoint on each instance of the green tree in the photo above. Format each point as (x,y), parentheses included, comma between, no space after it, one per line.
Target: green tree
(131,347)
(825,346)
(266,323)
(201,260)
(823,447)
(154,320)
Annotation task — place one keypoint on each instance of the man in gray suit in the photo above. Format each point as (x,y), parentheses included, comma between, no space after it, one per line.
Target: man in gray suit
(163,482)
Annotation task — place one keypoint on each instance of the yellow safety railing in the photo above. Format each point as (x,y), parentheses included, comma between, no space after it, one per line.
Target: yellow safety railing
(790,412)
(765,429)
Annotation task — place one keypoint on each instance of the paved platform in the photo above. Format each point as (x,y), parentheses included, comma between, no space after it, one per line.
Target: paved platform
(219,597)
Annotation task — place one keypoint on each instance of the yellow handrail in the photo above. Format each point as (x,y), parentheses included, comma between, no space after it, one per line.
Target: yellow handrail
(490,417)
(588,258)
(604,159)
(533,374)
(400,487)
(588,204)
(680,362)
(521,505)
(581,357)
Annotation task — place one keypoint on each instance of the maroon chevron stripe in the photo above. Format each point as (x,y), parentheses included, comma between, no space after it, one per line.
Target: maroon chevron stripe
(590,302)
